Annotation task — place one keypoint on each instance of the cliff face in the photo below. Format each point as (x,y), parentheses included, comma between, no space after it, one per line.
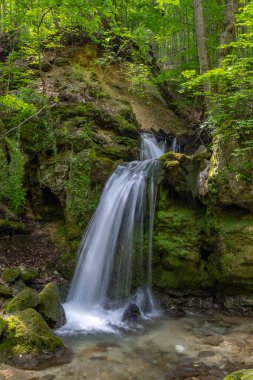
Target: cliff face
(70,151)
(204,227)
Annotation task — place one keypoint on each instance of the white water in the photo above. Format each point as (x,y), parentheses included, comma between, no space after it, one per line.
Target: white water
(112,247)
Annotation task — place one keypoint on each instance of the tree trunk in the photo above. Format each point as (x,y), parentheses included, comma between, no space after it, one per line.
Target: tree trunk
(3,13)
(229,28)
(200,35)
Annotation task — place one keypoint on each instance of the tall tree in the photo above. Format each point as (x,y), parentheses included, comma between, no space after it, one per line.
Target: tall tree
(200,35)
(229,28)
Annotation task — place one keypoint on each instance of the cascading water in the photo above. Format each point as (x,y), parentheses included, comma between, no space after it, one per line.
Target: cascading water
(112,247)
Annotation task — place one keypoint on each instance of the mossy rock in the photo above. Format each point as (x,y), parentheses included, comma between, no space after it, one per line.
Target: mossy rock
(124,128)
(26,333)
(50,307)
(244,374)
(27,274)
(27,298)
(10,275)
(5,291)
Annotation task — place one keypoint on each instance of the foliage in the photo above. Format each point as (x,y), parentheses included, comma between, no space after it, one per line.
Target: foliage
(11,175)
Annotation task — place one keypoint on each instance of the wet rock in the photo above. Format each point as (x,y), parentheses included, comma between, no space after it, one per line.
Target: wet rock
(132,313)
(27,298)
(213,340)
(191,371)
(50,307)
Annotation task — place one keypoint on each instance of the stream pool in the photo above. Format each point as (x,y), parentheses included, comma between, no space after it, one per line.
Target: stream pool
(191,347)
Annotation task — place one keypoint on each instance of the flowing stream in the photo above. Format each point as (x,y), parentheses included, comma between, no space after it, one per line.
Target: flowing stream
(112,254)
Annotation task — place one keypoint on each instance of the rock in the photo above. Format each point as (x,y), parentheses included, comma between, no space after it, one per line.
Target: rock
(27,298)
(244,374)
(45,66)
(10,275)
(50,307)
(132,313)
(230,180)
(27,339)
(28,274)
(182,171)
(5,292)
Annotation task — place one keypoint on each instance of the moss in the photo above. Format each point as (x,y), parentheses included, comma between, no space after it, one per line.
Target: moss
(8,226)
(27,298)
(27,333)
(244,374)
(177,262)
(3,325)
(5,292)
(116,152)
(11,274)
(28,274)
(50,307)
(124,128)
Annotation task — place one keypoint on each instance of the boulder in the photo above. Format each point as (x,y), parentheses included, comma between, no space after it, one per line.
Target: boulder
(10,275)
(50,307)
(27,298)
(28,340)
(5,291)
(27,274)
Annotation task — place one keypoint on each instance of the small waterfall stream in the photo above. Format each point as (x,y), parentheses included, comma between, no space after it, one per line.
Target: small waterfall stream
(112,250)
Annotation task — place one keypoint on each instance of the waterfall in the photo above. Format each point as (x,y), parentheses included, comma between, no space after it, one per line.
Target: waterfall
(112,248)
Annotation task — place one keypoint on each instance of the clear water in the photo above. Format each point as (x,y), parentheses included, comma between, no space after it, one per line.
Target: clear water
(112,249)
(211,346)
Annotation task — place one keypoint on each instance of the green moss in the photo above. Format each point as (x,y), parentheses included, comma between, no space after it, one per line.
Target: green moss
(27,333)
(8,226)
(27,298)
(11,274)
(3,325)
(50,307)
(28,274)
(5,292)
(116,152)
(244,374)
(124,128)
